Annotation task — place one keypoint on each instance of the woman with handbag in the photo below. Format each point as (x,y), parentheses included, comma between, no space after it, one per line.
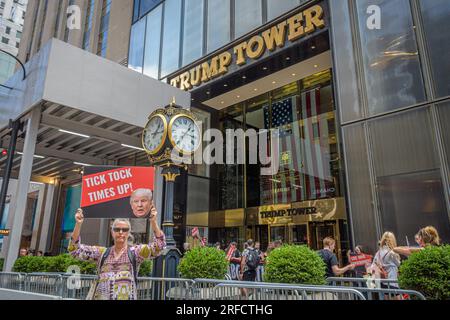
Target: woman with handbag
(117,266)
(386,262)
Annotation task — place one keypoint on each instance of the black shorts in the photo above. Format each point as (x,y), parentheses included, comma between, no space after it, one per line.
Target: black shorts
(249,275)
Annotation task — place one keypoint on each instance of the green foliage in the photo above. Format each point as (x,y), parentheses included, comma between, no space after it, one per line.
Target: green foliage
(145,270)
(59,264)
(204,262)
(296,265)
(1,263)
(428,271)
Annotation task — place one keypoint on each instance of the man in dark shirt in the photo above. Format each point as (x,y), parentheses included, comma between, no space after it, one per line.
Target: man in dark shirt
(330,259)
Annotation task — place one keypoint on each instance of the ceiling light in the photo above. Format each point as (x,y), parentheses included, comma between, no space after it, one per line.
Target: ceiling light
(82,164)
(207,92)
(222,102)
(313,47)
(74,133)
(244,77)
(264,68)
(132,147)
(288,58)
(225,85)
(294,74)
(39,183)
(273,82)
(238,96)
(315,66)
(36,156)
(256,89)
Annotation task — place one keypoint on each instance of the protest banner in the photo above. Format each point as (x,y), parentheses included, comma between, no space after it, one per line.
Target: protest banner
(361,260)
(106,192)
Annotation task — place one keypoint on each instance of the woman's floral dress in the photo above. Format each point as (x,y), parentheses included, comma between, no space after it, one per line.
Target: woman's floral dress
(116,280)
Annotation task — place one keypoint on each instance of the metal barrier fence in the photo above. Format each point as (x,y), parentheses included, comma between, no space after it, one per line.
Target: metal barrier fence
(79,290)
(263,291)
(164,289)
(12,280)
(377,289)
(363,282)
(44,283)
(203,289)
(62,285)
(390,294)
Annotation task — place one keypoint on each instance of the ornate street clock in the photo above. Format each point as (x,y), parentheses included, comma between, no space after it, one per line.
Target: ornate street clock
(170,132)
(170,135)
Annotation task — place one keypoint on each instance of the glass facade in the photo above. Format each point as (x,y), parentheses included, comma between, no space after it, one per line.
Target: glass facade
(390,57)
(190,29)
(88,25)
(378,121)
(170,58)
(239,197)
(193,30)
(104,25)
(396,164)
(435,17)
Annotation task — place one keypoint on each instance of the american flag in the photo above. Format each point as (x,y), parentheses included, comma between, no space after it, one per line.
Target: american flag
(304,172)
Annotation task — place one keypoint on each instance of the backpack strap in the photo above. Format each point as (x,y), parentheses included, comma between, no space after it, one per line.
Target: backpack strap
(103,259)
(133,261)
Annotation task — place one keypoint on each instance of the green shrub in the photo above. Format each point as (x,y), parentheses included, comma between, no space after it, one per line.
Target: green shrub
(145,270)
(1,263)
(427,271)
(58,264)
(61,263)
(294,264)
(204,262)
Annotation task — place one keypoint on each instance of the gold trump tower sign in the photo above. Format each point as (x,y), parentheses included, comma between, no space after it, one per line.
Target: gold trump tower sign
(291,29)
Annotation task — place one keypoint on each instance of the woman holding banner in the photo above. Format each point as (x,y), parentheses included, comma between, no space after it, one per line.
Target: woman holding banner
(118,265)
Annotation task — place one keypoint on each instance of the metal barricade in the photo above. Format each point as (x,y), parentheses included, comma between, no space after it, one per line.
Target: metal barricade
(265,291)
(203,289)
(363,282)
(390,294)
(45,283)
(76,286)
(164,289)
(376,289)
(12,280)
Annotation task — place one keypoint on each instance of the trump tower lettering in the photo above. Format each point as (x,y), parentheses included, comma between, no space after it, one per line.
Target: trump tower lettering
(117,192)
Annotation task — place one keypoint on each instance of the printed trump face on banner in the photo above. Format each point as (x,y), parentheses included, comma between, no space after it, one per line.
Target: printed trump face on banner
(117,192)
(141,202)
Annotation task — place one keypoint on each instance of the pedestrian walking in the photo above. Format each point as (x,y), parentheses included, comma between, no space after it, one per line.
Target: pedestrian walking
(118,265)
(386,262)
(249,263)
(330,259)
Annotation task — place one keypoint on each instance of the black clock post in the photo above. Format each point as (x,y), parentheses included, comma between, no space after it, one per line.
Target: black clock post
(165,266)
(161,148)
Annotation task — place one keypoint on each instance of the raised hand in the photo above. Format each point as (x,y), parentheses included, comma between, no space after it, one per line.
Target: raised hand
(153,213)
(79,217)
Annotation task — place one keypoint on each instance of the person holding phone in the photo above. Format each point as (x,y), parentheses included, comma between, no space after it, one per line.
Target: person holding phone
(117,266)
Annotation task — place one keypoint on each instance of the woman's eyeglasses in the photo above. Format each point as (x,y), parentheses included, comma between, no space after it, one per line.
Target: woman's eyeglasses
(121,229)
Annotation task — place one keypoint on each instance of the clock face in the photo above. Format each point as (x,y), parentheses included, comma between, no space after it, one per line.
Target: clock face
(185,134)
(154,134)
